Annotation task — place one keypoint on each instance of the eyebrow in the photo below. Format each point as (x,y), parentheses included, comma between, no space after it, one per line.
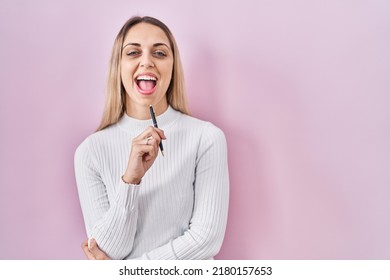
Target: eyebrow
(139,45)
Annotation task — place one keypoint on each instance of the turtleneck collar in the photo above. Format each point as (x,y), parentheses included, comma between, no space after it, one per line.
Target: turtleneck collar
(132,125)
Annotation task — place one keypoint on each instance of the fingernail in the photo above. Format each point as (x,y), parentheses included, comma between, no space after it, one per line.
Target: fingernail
(90,242)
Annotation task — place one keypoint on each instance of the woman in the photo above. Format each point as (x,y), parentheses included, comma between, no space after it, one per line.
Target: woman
(136,203)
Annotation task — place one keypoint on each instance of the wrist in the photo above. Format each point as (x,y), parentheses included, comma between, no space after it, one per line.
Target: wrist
(130,180)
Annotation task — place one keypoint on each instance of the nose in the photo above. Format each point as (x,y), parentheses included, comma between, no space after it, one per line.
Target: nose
(146,61)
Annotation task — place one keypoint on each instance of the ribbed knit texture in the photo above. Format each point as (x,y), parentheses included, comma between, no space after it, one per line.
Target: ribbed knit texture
(179,211)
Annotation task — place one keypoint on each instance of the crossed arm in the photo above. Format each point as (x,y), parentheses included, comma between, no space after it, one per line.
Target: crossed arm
(204,236)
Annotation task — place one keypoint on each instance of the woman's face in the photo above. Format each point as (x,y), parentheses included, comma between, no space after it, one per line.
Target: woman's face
(146,68)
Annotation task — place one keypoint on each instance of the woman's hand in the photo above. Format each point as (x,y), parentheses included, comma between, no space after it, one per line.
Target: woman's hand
(144,150)
(94,252)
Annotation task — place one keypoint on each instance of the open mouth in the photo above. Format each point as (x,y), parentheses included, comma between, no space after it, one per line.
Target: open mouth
(146,83)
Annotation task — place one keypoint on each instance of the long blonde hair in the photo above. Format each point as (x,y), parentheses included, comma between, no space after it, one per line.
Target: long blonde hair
(115,104)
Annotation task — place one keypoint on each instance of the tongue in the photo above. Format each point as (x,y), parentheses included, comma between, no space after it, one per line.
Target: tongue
(146,85)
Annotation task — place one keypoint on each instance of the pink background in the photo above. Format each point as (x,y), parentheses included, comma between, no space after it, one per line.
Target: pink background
(301,89)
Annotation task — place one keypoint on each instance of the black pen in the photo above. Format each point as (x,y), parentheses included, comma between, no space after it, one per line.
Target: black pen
(155,125)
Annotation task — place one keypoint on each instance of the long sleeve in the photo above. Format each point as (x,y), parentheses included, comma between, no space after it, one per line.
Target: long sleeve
(179,212)
(206,229)
(110,219)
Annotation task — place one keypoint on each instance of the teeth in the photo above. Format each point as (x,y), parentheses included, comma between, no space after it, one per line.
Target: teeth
(147,78)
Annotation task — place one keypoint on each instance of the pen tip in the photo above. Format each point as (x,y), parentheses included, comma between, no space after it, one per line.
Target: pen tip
(162,152)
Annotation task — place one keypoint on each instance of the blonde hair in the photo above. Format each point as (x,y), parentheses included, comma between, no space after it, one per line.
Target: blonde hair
(115,104)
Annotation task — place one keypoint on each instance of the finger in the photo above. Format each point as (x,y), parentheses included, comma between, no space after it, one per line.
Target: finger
(140,148)
(88,254)
(154,143)
(155,134)
(149,151)
(145,152)
(146,133)
(161,133)
(150,141)
(96,252)
(151,131)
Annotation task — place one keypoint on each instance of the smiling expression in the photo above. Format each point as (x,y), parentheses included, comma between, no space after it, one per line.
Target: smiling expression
(146,68)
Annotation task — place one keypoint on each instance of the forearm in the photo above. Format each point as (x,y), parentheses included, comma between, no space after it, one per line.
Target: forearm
(205,234)
(110,218)
(115,230)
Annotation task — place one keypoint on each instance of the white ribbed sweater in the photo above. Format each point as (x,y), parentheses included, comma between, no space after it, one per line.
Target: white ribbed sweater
(179,211)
